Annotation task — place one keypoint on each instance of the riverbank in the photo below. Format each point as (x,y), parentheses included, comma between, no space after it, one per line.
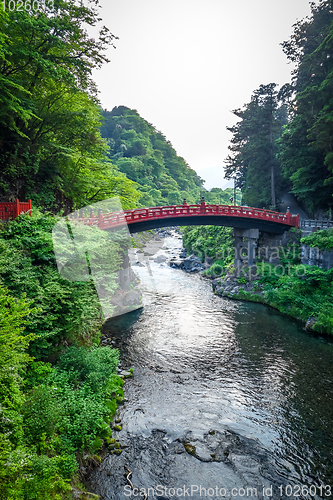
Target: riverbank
(302,292)
(60,382)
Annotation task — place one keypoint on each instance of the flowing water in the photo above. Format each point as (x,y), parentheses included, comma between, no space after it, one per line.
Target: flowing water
(228,400)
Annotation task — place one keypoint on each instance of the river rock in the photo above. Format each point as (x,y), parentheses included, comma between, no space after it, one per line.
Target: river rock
(310,323)
(160,258)
(209,261)
(176,263)
(193,264)
(139,264)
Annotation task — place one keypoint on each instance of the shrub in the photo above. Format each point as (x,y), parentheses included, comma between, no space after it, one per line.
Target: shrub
(320,239)
(65,312)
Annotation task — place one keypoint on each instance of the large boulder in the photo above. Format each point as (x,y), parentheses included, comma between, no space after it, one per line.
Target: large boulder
(193,264)
(160,258)
(176,264)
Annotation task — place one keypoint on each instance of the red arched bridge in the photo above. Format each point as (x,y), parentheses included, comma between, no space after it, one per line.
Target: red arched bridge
(142,219)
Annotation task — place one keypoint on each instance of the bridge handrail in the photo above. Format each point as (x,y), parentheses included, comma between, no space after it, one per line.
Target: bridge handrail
(316,223)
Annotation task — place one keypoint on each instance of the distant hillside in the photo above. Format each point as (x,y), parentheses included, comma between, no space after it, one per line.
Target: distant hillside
(148,158)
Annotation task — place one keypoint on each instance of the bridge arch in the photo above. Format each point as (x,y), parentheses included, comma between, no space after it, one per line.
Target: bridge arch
(142,219)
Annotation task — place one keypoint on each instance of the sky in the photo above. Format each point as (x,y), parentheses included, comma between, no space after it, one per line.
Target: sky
(184,65)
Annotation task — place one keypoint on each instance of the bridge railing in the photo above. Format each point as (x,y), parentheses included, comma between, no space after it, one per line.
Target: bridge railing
(11,210)
(304,224)
(108,220)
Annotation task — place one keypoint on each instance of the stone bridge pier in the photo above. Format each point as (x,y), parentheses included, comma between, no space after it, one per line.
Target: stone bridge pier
(245,251)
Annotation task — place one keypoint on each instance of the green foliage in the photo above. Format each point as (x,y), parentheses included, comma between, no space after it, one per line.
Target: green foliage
(146,157)
(71,408)
(64,311)
(320,239)
(49,413)
(13,360)
(300,291)
(218,196)
(52,150)
(253,161)
(305,147)
(216,269)
(93,368)
(215,242)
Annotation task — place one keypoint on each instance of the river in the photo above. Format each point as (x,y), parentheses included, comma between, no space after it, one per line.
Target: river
(228,400)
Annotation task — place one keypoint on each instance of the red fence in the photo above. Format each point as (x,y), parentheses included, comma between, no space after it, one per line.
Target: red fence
(110,220)
(10,210)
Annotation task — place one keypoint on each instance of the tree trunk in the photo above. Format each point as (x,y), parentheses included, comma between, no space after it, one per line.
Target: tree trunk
(272,161)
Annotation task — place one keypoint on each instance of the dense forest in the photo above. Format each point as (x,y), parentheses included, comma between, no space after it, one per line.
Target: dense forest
(148,158)
(284,137)
(51,147)
(58,389)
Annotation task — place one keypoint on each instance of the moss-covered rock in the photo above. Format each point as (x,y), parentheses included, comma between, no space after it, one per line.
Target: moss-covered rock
(191,450)
(116,451)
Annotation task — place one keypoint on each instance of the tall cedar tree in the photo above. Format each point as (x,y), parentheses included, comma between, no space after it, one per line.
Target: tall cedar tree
(306,147)
(252,161)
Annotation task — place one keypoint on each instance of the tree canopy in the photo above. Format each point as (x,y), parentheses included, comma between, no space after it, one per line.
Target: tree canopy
(252,160)
(51,148)
(284,137)
(306,152)
(148,158)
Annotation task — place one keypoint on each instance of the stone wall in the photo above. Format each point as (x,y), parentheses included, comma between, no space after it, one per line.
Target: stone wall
(316,257)
(269,245)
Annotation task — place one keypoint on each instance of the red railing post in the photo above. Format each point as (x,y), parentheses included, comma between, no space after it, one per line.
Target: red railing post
(288,214)
(16,208)
(202,205)
(30,207)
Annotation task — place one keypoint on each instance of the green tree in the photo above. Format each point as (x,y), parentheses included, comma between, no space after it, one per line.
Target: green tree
(306,147)
(174,198)
(253,161)
(52,150)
